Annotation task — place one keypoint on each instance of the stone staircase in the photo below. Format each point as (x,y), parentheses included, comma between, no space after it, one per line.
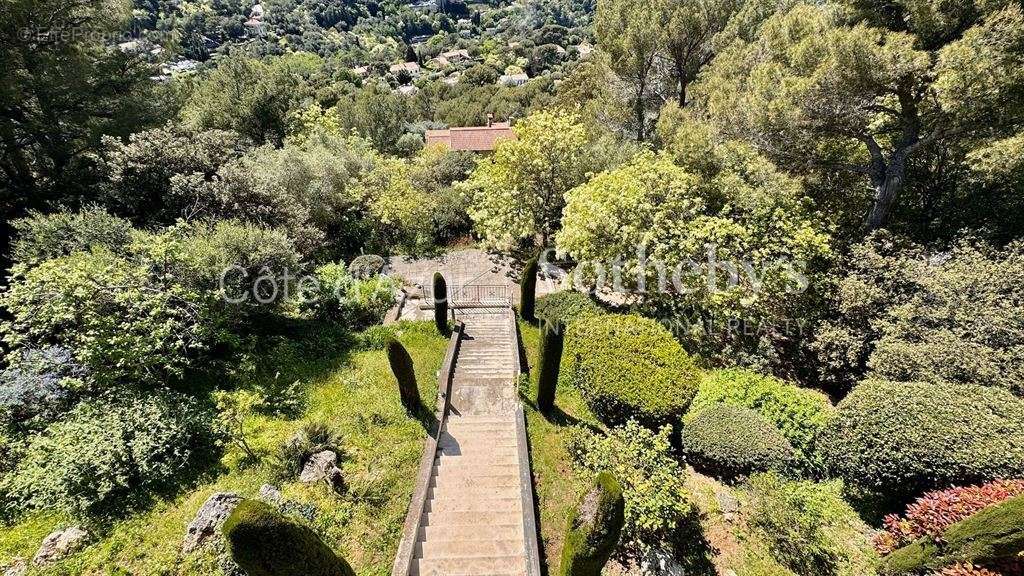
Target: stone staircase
(473,522)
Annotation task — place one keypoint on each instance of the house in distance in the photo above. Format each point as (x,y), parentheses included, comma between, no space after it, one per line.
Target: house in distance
(482,139)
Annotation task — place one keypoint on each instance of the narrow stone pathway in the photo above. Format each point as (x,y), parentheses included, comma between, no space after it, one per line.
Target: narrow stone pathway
(478,517)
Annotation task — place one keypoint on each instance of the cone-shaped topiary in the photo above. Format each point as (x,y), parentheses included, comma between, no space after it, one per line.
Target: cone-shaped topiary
(440,303)
(552,336)
(402,368)
(264,542)
(594,528)
(528,290)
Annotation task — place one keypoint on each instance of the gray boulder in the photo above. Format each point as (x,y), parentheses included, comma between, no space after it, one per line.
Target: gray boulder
(208,520)
(61,544)
(270,494)
(17,567)
(323,467)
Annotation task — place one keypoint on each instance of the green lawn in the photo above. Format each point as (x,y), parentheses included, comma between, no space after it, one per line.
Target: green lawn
(557,485)
(353,392)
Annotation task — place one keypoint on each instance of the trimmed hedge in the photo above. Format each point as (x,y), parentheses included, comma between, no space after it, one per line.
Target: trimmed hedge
(628,367)
(992,537)
(264,542)
(566,306)
(731,441)
(594,528)
(552,342)
(528,291)
(800,414)
(901,439)
(440,295)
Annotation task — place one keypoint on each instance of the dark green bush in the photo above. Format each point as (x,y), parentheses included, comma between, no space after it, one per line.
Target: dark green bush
(402,368)
(594,528)
(901,439)
(552,337)
(799,413)
(366,266)
(440,294)
(731,441)
(107,451)
(565,306)
(629,367)
(992,537)
(264,542)
(528,290)
(42,237)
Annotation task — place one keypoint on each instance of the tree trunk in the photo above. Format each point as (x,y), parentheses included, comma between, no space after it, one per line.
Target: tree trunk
(639,110)
(887,185)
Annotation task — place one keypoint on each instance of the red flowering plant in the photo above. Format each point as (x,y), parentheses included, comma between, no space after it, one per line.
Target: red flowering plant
(935,511)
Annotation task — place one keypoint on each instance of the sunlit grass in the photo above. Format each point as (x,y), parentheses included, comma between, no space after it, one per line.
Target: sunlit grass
(357,396)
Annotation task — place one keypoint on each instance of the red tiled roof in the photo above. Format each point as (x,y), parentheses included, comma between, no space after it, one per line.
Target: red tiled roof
(475,139)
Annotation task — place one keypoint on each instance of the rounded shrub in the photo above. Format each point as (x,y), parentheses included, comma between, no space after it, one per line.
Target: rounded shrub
(800,414)
(731,441)
(594,528)
(629,367)
(565,306)
(366,266)
(264,542)
(901,439)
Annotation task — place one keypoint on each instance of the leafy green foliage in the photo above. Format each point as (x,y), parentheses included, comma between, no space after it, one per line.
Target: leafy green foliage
(594,528)
(42,237)
(366,266)
(565,306)
(809,527)
(355,303)
(907,314)
(109,451)
(657,503)
(730,441)
(628,367)
(900,439)
(520,191)
(798,413)
(264,542)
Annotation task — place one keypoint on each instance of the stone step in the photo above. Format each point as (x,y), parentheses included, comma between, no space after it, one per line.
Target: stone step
(453,445)
(475,481)
(505,531)
(485,430)
(476,566)
(507,504)
(472,518)
(470,470)
(444,493)
(469,548)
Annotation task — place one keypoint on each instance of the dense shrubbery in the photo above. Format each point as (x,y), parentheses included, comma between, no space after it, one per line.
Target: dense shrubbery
(906,314)
(354,302)
(732,441)
(40,385)
(992,537)
(657,504)
(798,413)
(264,542)
(107,451)
(565,306)
(42,237)
(366,266)
(628,367)
(900,439)
(808,526)
(935,511)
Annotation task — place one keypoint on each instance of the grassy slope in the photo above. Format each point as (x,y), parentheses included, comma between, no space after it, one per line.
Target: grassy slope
(557,485)
(357,396)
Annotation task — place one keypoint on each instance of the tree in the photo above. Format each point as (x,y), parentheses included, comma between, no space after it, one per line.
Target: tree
(520,191)
(404,372)
(688,46)
(866,99)
(440,294)
(528,289)
(629,32)
(552,338)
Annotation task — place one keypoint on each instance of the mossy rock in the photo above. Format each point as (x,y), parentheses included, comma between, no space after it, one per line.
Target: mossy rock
(594,528)
(264,542)
(991,537)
